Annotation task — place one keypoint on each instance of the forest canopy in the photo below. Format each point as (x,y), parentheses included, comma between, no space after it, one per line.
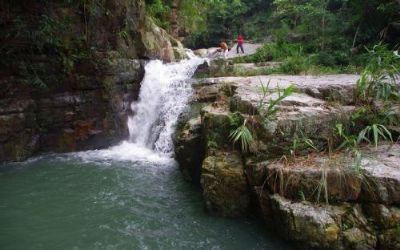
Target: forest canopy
(323,25)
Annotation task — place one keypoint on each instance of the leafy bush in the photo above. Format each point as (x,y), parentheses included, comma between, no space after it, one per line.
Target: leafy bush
(159,11)
(378,80)
(273,51)
(294,65)
(323,58)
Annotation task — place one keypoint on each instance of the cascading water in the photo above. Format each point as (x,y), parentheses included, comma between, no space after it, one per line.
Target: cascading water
(164,94)
(130,196)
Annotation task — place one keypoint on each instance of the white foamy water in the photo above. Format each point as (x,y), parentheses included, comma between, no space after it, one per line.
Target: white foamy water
(164,94)
(126,151)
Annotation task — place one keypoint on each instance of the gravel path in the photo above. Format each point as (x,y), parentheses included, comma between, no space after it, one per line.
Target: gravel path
(249,48)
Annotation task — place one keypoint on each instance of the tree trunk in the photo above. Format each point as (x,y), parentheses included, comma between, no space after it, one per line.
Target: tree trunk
(355,36)
(174,18)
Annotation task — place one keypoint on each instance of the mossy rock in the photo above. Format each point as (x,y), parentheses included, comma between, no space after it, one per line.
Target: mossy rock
(224,184)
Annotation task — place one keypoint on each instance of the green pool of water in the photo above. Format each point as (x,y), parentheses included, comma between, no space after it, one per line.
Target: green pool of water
(72,201)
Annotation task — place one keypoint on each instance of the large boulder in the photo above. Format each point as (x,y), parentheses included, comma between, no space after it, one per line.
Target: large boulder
(317,226)
(189,149)
(157,42)
(201,52)
(305,222)
(382,175)
(224,184)
(216,126)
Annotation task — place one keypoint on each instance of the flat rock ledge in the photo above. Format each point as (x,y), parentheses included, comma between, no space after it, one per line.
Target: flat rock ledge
(321,200)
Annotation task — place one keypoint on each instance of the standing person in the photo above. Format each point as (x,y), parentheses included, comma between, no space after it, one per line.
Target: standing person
(240,41)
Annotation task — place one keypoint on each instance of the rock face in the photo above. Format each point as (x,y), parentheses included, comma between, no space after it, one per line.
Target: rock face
(323,200)
(77,118)
(189,149)
(69,72)
(160,45)
(224,184)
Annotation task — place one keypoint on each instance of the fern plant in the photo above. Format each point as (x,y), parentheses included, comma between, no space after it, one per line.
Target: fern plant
(375,131)
(243,135)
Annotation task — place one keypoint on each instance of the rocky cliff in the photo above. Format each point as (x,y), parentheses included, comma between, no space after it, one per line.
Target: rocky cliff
(69,70)
(290,173)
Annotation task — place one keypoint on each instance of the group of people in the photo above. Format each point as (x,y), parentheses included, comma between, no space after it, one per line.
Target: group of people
(224,48)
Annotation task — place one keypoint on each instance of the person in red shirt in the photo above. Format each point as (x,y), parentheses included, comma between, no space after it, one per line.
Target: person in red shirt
(240,41)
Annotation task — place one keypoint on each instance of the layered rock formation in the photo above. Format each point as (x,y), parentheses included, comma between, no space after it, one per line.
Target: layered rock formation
(321,198)
(69,71)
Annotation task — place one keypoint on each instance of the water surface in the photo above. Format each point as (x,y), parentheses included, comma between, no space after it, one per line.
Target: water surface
(90,200)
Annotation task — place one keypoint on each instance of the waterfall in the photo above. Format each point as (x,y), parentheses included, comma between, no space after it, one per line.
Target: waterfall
(164,93)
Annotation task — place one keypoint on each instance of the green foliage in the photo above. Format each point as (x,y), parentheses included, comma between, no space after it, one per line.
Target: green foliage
(293,65)
(371,132)
(235,120)
(239,131)
(243,135)
(301,142)
(43,45)
(295,60)
(159,11)
(375,131)
(272,108)
(333,30)
(379,78)
(212,144)
(349,140)
(224,19)
(273,52)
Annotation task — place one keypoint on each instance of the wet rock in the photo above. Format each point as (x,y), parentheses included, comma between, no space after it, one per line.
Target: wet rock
(157,42)
(383,216)
(206,93)
(308,223)
(179,53)
(202,70)
(224,184)
(390,239)
(189,149)
(201,52)
(256,172)
(179,50)
(317,226)
(357,239)
(216,125)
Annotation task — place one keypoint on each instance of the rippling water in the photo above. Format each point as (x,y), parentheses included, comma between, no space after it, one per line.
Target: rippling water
(130,196)
(90,200)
